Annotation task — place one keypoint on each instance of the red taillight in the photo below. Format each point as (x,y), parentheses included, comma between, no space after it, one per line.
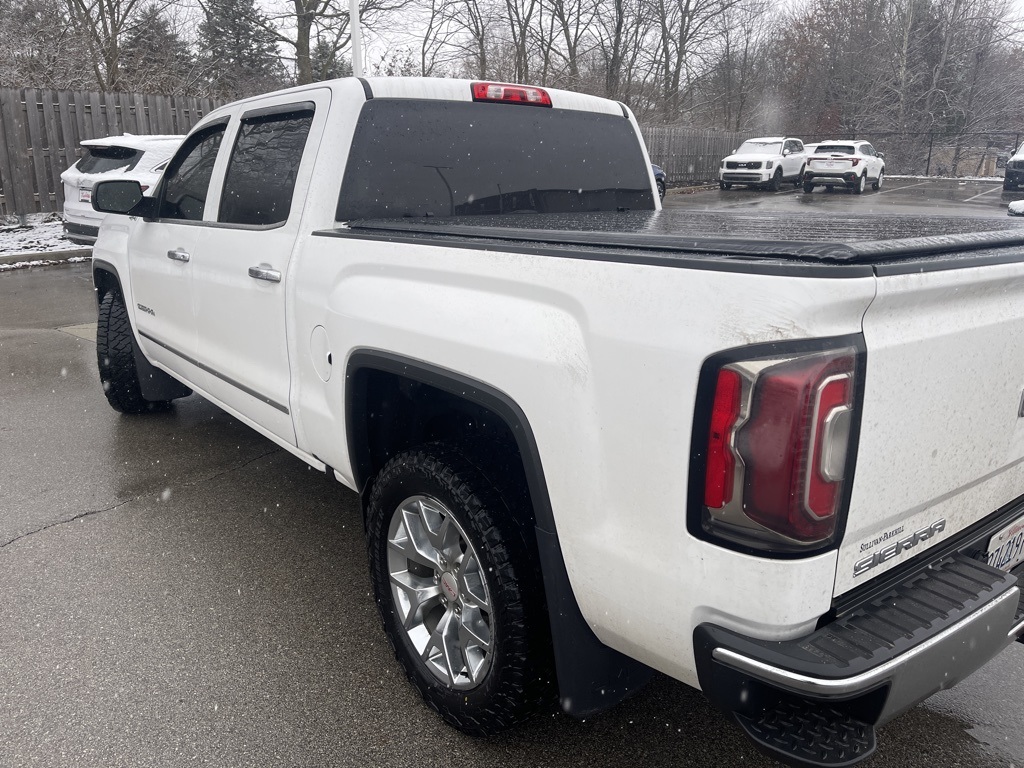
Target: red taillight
(854,160)
(512,94)
(780,432)
(721,462)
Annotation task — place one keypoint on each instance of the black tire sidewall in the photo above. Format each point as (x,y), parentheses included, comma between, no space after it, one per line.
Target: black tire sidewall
(115,357)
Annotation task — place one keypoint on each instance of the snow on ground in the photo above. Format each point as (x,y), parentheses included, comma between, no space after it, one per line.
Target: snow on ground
(1016,208)
(44,234)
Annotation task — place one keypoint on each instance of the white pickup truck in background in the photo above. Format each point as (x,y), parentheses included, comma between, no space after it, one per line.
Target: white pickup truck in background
(782,462)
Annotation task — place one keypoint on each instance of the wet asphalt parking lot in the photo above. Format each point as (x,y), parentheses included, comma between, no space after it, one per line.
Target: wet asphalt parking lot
(898,195)
(175,590)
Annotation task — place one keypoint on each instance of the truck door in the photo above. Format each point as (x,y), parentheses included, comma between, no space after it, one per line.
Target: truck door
(162,252)
(241,271)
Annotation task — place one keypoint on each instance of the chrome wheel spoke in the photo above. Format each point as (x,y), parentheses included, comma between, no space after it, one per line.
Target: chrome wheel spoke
(442,535)
(412,541)
(420,596)
(472,582)
(473,630)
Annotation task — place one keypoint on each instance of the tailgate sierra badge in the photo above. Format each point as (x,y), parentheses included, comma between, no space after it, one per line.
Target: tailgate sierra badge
(864,565)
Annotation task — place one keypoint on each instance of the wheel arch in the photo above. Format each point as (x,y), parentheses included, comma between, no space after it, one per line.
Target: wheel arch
(105,278)
(381,389)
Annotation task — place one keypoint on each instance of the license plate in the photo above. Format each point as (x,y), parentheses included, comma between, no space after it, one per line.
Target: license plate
(85,195)
(1006,548)
(831,164)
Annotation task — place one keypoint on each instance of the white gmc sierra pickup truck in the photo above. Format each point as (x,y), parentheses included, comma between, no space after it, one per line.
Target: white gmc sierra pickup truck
(781,461)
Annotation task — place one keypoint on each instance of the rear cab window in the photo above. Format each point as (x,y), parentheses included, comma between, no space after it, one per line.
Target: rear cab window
(416,158)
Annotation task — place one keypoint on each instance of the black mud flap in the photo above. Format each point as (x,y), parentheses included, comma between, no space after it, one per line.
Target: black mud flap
(805,733)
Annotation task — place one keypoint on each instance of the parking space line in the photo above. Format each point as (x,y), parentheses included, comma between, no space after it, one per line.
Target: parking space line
(905,186)
(986,192)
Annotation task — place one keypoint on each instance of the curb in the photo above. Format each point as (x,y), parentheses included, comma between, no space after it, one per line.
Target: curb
(50,257)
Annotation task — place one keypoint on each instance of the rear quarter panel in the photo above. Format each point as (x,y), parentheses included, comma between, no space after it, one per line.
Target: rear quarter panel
(604,360)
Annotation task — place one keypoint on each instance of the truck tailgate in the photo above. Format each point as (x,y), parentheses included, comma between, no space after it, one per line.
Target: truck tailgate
(942,433)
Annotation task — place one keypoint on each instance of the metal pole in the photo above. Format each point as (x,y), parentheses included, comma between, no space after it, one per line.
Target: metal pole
(357,38)
(928,165)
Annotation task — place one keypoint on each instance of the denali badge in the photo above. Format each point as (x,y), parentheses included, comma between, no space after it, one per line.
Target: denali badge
(863,566)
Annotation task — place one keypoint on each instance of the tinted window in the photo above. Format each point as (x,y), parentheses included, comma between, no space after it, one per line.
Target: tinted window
(444,158)
(834,149)
(103,159)
(264,163)
(187,179)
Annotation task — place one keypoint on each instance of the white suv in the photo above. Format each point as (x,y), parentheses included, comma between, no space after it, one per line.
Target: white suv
(133,157)
(764,162)
(849,164)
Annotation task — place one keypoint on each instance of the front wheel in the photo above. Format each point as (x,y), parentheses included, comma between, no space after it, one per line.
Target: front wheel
(661,188)
(724,185)
(877,183)
(861,184)
(799,179)
(458,591)
(776,183)
(115,357)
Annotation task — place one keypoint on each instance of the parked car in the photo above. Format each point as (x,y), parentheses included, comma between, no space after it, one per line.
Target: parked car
(132,157)
(764,162)
(1014,176)
(847,164)
(482,355)
(659,178)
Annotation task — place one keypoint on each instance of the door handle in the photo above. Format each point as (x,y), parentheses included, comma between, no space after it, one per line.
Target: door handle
(178,255)
(265,273)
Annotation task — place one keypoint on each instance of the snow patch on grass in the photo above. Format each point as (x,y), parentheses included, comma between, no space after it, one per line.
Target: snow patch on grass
(43,234)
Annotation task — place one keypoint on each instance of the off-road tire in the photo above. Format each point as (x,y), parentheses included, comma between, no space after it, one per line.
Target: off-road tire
(861,184)
(115,358)
(877,183)
(519,681)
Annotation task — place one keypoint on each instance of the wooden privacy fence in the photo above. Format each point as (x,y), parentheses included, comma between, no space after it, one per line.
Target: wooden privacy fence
(690,155)
(40,131)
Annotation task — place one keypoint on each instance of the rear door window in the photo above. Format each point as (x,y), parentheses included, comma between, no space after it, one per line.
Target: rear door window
(264,164)
(447,158)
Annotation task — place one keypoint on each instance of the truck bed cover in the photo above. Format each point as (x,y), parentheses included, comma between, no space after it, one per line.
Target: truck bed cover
(674,234)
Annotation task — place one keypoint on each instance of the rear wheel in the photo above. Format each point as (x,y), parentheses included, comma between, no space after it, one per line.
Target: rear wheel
(877,183)
(724,185)
(808,187)
(661,188)
(861,184)
(776,183)
(458,590)
(115,357)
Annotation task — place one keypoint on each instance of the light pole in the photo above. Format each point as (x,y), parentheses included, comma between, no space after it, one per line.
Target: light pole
(357,38)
